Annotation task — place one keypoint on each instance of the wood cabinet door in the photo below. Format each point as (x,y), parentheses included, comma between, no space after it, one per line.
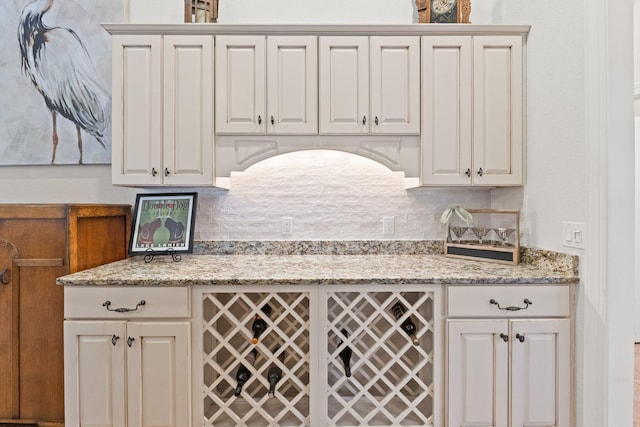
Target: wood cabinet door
(158,374)
(541,373)
(188,110)
(9,336)
(292,85)
(497,110)
(95,374)
(395,85)
(344,85)
(240,84)
(446,110)
(478,366)
(137,110)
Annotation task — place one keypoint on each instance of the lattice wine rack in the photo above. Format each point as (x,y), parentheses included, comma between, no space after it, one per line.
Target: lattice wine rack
(391,382)
(285,344)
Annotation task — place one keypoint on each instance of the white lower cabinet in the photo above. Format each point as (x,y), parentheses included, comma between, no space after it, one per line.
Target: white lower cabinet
(392,380)
(128,367)
(509,370)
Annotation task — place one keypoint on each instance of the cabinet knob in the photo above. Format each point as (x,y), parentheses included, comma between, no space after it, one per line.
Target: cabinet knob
(520,337)
(153,172)
(166,172)
(377,122)
(504,337)
(480,172)
(4,273)
(272,120)
(130,341)
(114,339)
(259,120)
(364,120)
(468,173)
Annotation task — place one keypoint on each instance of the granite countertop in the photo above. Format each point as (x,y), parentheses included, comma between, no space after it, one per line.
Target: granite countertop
(324,269)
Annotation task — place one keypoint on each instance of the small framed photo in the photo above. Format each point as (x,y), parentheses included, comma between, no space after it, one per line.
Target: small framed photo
(163,223)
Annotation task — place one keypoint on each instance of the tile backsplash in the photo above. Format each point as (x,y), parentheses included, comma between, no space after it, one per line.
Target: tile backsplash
(327,195)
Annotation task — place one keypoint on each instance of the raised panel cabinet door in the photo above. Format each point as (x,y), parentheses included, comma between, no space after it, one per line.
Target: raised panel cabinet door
(240,84)
(541,373)
(497,110)
(136,110)
(478,366)
(344,85)
(158,355)
(94,374)
(446,110)
(292,85)
(188,110)
(395,84)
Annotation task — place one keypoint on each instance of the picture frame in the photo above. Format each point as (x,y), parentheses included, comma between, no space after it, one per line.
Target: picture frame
(163,223)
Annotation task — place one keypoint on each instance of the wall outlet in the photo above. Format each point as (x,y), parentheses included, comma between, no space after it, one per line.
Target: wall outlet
(388,225)
(287,225)
(573,234)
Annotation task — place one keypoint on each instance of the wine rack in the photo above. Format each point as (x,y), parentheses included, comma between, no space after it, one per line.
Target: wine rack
(227,341)
(391,379)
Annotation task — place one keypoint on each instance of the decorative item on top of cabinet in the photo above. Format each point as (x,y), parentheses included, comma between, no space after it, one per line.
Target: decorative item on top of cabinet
(39,243)
(443,11)
(201,11)
(492,235)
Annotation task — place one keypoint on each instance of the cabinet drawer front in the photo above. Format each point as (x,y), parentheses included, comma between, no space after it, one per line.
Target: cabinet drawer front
(126,303)
(508,301)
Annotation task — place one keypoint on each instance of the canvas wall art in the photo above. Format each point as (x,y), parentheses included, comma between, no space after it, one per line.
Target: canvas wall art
(55,64)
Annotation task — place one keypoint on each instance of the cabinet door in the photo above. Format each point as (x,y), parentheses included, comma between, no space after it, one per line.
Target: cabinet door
(9,332)
(188,110)
(94,374)
(478,366)
(497,110)
(292,85)
(137,110)
(395,85)
(158,374)
(541,375)
(240,84)
(446,110)
(344,85)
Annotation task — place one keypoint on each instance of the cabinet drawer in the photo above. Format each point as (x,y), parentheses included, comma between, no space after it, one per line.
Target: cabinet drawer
(545,301)
(125,303)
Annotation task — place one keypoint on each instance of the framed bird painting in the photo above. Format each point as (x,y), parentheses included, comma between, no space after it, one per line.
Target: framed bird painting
(56,77)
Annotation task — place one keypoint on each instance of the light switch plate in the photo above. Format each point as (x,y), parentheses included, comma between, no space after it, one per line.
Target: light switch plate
(573,234)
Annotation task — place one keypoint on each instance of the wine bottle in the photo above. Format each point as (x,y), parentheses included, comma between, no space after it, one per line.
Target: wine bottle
(407,325)
(243,373)
(345,355)
(259,325)
(274,374)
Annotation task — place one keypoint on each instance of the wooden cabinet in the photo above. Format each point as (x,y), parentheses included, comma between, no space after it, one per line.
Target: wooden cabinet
(266,85)
(39,243)
(370,85)
(509,364)
(472,104)
(163,111)
(122,369)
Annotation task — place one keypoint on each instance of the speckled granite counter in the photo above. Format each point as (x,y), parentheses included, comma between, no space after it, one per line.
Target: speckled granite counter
(391,269)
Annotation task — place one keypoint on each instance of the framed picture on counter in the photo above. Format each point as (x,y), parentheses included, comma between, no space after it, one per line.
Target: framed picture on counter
(163,223)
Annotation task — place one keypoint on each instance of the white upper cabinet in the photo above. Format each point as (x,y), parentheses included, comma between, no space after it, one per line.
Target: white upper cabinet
(369,85)
(266,85)
(163,111)
(472,104)
(497,110)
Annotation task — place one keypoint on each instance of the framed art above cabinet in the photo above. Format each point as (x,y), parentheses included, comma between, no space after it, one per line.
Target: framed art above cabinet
(442,103)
